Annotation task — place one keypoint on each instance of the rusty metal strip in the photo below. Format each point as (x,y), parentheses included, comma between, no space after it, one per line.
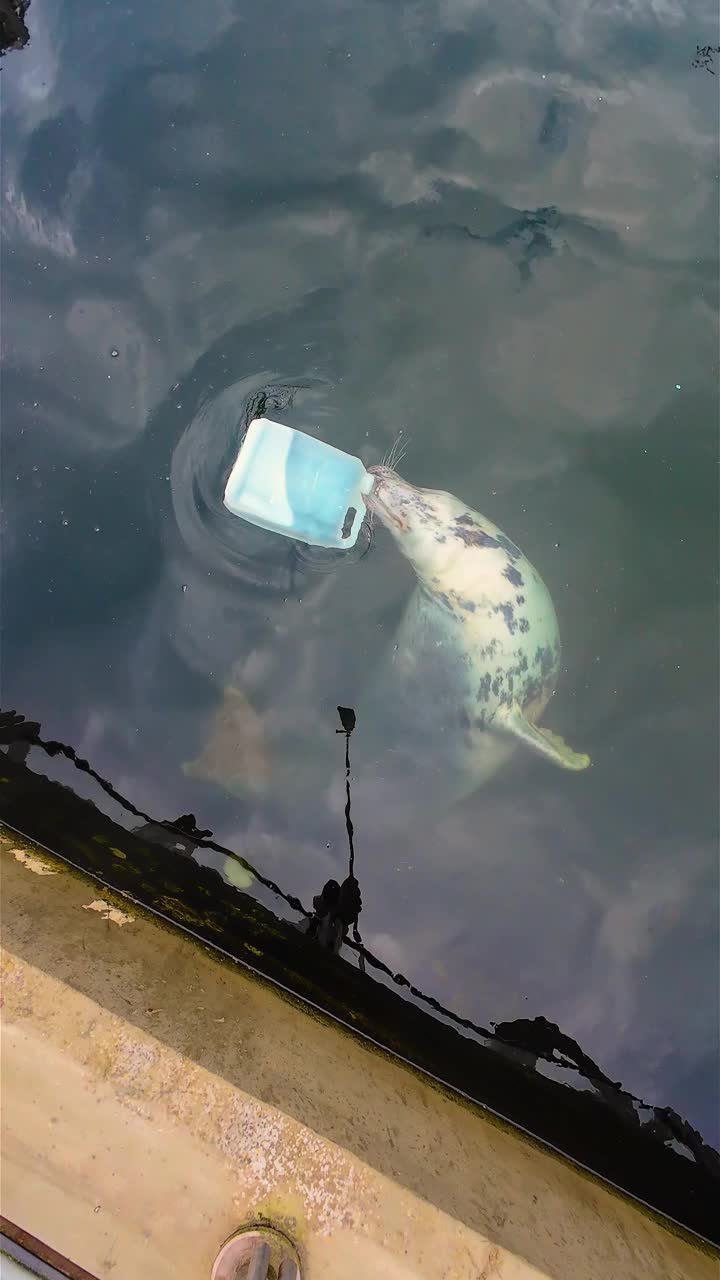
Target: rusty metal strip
(44,1261)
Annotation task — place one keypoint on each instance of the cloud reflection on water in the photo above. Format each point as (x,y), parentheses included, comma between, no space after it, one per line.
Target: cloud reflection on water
(360,218)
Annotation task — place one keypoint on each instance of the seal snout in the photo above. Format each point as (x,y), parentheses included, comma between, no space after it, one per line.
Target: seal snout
(387,497)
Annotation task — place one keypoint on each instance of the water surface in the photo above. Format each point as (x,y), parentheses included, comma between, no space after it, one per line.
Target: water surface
(493,229)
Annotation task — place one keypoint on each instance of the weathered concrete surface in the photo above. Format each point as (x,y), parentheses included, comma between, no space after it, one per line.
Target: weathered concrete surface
(154,1099)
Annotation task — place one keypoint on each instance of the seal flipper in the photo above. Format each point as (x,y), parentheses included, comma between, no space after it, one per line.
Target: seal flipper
(546,743)
(235,754)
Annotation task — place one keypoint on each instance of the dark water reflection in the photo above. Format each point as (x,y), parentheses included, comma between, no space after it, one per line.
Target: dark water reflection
(494,230)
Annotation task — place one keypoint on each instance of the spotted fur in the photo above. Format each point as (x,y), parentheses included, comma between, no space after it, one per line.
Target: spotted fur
(471,642)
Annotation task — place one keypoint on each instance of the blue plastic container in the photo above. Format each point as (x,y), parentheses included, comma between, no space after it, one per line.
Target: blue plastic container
(290,483)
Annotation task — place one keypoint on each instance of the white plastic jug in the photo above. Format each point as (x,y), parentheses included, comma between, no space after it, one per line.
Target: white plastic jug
(290,483)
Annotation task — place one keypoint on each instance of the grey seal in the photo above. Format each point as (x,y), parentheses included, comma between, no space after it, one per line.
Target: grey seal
(476,656)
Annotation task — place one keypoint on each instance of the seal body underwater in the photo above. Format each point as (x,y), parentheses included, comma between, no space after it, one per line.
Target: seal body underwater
(476,655)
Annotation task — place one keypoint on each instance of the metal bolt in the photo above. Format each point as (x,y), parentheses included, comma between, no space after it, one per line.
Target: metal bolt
(257,1252)
(259,1264)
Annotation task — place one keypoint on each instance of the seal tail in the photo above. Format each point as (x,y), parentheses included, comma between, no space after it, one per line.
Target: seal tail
(543,741)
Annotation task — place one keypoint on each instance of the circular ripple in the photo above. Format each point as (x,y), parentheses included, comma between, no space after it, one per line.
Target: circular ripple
(201,463)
